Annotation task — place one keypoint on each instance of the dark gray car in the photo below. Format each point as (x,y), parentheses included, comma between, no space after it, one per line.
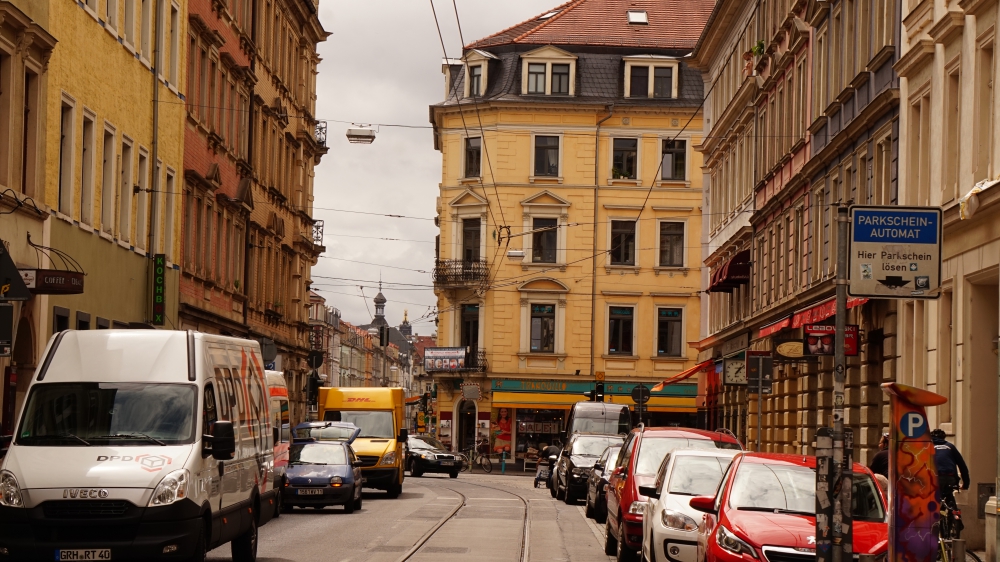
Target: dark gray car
(575,463)
(597,484)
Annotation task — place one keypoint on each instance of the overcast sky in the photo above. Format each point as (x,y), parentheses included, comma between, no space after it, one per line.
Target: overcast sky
(382,64)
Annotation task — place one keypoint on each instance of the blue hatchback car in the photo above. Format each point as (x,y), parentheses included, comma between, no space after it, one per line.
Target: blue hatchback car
(322,473)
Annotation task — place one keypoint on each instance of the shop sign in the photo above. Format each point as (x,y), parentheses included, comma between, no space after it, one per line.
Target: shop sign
(316,337)
(6,329)
(564,387)
(819,339)
(444,359)
(739,343)
(472,391)
(895,252)
(789,349)
(52,281)
(159,289)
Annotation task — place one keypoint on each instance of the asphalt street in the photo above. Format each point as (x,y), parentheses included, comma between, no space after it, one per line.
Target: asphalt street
(489,524)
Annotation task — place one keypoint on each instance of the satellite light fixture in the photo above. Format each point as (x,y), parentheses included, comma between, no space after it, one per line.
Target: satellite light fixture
(361,134)
(515,255)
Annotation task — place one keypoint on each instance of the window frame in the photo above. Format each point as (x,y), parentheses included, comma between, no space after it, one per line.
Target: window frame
(534,157)
(465,157)
(652,62)
(534,76)
(548,56)
(656,331)
(663,150)
(659,241)
(531,321)
(608,329)
(535,239)
(635,242)
(638,160)
(469,93)
(66,178)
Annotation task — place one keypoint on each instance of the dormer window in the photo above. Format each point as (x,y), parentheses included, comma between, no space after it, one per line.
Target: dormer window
(638,17)
(476,81)
(651,77)
(548,71)
(477,68)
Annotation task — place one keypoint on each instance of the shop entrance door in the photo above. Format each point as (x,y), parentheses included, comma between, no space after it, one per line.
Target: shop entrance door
(466,425)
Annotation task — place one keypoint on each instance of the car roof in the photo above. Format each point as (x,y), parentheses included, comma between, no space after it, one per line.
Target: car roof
(608,435)
(704,453)
(789,459)
(688,432)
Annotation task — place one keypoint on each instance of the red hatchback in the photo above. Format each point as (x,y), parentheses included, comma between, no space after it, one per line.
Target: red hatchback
(637,464)
(765,511)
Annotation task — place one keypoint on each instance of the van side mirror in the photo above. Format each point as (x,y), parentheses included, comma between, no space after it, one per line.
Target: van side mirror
(222,441)
(403,435)
(704,504)
(648,491)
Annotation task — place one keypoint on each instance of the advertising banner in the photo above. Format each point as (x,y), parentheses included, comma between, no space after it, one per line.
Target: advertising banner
(444,359)
(819,339)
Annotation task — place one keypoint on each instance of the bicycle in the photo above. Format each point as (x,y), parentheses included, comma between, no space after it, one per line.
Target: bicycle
(950,528)
(474,457)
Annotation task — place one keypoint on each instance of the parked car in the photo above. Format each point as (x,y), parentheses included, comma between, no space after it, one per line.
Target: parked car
(597,484)
(765,510)
(637,464)
(323,473)
(669,523)
(426,454)
(598,417)
(576,461)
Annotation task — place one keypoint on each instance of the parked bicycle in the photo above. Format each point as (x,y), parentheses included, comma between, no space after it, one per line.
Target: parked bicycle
(475,456)
(950,528)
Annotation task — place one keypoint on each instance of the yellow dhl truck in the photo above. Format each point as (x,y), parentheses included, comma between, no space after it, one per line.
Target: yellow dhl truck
(380,445)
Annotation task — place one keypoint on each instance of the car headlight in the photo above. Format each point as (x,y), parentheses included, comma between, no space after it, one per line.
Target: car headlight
(172,488)
(579,472)
(728,541)
(336,481)
(427,456)
(677,520)
(389,458)
(10,492)
(637,508)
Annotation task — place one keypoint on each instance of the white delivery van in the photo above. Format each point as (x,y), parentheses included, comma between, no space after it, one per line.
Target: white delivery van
(139,445)
(280,429)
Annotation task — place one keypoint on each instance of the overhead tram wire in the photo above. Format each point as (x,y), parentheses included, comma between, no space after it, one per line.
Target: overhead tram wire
(375,264)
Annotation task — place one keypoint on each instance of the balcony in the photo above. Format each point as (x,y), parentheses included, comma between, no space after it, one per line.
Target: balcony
(475,361)
(460,273)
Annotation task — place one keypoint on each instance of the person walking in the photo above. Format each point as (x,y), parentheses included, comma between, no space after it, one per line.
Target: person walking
(880,462)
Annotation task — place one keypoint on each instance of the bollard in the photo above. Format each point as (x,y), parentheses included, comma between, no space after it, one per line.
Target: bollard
(958,550)
(503,461)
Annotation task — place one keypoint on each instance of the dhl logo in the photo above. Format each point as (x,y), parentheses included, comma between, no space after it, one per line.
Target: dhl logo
(362,399)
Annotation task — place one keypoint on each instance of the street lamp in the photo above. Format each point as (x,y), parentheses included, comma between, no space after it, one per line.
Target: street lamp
(361,134)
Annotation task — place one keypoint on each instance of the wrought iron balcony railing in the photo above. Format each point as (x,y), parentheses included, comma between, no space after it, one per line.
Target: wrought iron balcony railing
(460,273)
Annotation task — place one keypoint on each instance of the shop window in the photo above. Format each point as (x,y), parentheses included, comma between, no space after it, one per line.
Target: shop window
(543,328)
(620,326)
(622,242)
(669,332)
(543,242)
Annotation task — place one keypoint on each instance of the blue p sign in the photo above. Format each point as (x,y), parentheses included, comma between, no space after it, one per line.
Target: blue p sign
(913,425)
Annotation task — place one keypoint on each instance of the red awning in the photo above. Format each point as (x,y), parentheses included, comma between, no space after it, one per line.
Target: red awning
(683,375)
(731,274)
(822,311)
(775,327)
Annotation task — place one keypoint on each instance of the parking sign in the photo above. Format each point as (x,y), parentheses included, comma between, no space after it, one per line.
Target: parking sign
(895,252)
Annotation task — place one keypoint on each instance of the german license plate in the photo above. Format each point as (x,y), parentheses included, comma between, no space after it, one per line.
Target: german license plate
(84,554)
(310,492)
(447,463)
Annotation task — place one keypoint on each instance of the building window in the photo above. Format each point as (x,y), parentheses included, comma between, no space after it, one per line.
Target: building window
(620,330)
(470,328)
(108,182)
(639,82)
(983,114)
(476,81)
(60,319)
(473,157)
(471,239)
(663,82)
(671,244)
(674,165)
(87,172)
(546,156)
(622,242)
(29,139)
(625,160)
(669,329)
(536,78)
(175,54)
(111,13)
(169,203)
(543,242)
(66,160)
(129,22)
(82,321)
(145,28)
(141,240)
(125,197)
(560,79)
(543,328)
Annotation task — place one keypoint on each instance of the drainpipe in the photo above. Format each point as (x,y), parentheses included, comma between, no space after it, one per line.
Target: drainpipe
(150,250)
(249,155)
(593,286)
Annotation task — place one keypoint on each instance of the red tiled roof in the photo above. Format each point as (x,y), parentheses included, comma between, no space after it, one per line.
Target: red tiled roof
(673,24)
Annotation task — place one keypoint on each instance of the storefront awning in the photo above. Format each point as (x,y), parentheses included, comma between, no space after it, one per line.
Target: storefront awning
(775,327)
(732,274)
(810,315)
(684,375)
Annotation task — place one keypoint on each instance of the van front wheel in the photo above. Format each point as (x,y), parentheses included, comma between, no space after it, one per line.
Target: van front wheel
(244,547)
(394,491)
(200,547)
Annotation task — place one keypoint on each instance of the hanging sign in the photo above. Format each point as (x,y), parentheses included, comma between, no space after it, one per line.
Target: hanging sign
(895,252)
(819,339)
(159,293)
(12,287)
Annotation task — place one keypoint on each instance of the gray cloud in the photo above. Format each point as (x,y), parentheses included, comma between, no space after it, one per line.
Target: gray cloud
(383,65)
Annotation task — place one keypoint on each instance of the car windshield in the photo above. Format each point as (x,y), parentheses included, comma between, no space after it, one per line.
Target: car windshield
(87,413)
(425,443)
(609,460)
(373,423)
(315,453)
(767,487)
(652,450)
(696,476)
(593,446)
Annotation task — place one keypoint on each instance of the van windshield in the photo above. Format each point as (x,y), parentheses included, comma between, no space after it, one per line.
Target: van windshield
(90,413)
(610,423)
(372,423)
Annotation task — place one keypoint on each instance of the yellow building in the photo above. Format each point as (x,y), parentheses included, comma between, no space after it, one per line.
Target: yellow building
(106,163)
(570,215)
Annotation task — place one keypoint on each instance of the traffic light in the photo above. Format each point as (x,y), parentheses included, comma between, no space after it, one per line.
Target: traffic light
(596,395)
(312,388)
(425,402)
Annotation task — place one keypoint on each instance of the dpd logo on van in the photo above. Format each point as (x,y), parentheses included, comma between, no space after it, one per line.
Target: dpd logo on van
(149,463)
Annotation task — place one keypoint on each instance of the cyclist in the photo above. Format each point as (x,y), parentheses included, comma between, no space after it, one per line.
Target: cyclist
(949,463)
(880,462)
(552,450)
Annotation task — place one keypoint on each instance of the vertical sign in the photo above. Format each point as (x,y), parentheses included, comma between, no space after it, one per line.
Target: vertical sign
(159,289)
(913,480)
(895,252)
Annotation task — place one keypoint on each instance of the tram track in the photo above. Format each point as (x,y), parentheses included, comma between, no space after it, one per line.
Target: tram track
(422,541)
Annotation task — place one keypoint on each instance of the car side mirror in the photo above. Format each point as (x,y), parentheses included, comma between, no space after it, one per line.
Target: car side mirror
(649,492)
(598,467)
(403,435)
(704,504)
(357,463)
(565,453)
(222,441)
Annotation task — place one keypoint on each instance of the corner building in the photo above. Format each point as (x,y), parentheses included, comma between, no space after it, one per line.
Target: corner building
(570,217)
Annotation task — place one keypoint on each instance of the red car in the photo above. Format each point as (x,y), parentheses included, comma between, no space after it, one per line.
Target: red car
(637,464)
(765,511)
